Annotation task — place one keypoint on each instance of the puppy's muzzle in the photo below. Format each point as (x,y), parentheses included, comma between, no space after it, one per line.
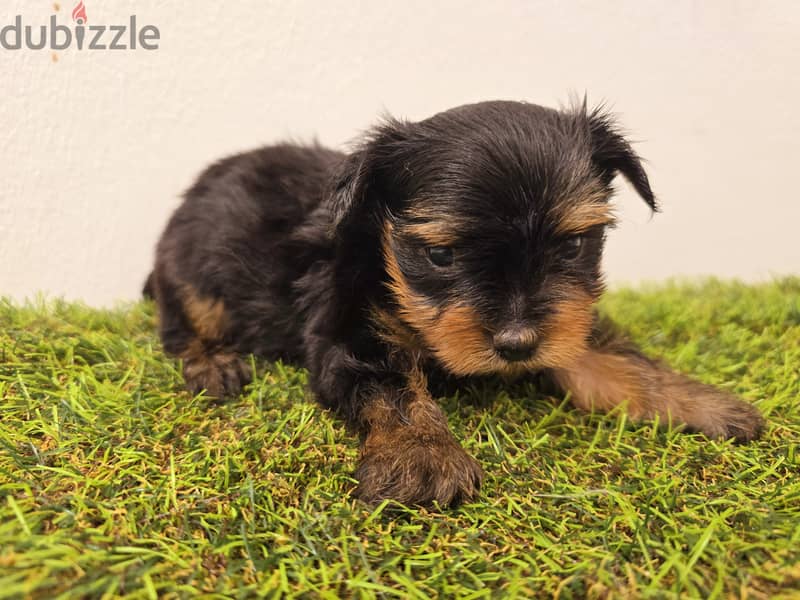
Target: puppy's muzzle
(515,344)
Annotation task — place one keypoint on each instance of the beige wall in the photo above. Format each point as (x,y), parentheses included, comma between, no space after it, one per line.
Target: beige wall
(96,147)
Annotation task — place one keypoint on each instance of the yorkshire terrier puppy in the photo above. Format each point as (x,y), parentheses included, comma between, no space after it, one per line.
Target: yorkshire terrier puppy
(463,245)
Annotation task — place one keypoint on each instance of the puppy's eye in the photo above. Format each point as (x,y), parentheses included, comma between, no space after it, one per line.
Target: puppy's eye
(441,256)
(573,246)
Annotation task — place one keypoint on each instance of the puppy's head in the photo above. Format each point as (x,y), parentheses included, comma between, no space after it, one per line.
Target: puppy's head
(485,226)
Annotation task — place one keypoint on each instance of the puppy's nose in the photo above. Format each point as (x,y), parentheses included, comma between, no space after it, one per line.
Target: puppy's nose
(515,345)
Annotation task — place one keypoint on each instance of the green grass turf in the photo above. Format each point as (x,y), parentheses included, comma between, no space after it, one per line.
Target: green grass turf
(115,482)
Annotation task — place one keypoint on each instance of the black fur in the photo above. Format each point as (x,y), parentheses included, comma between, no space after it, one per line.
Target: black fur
(282,248)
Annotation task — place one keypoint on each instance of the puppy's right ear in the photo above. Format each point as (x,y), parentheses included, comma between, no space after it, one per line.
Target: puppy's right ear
(366,185)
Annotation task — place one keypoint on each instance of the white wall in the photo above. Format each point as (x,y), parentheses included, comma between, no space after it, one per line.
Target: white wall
(96,147)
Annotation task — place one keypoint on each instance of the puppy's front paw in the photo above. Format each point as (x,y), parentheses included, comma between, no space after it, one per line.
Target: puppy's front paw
(417,467)
(221,375)
(607,378)
(722,415)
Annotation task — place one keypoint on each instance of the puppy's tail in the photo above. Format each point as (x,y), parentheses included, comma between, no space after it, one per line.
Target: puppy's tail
(149,289)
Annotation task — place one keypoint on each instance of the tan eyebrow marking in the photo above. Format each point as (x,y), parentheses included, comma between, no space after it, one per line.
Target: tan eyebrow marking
(582,217)
(434,233)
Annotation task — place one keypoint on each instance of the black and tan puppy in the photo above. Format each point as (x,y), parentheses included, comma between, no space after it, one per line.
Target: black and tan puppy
(465,244)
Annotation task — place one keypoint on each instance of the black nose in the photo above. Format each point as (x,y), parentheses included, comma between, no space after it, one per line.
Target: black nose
(515,345)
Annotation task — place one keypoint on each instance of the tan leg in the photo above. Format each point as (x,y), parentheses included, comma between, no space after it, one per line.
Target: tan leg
(408,453)
(611,375)
(193,328)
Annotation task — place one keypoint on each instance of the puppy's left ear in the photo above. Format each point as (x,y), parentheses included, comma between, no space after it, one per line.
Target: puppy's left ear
(613,154)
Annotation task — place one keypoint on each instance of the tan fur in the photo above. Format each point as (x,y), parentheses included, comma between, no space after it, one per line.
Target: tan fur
(414,309)
(433,233)
(207,315)
(409,454)
(456,336)
(205,365)
(599,378)
(459,340)
(605,378)
(578,218)
(453,334)
(602,381)
(565,334)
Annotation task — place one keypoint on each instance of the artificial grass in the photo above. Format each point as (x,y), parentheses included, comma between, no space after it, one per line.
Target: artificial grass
(115,482)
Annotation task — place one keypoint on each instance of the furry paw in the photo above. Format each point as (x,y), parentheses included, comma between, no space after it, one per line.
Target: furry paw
(725,416)
(221,375)
(417,467)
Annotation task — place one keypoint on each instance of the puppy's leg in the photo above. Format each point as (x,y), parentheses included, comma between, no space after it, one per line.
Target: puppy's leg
(408,453)
(613,372)
(192,327)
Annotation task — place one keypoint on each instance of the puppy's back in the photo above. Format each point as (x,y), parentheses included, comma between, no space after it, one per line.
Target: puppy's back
(229,245)
(281,182)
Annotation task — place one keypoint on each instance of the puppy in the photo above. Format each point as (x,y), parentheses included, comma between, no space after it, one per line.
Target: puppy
(467,244)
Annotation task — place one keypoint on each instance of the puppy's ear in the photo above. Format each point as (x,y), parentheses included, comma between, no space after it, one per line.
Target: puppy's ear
(365,186)
(613,154)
